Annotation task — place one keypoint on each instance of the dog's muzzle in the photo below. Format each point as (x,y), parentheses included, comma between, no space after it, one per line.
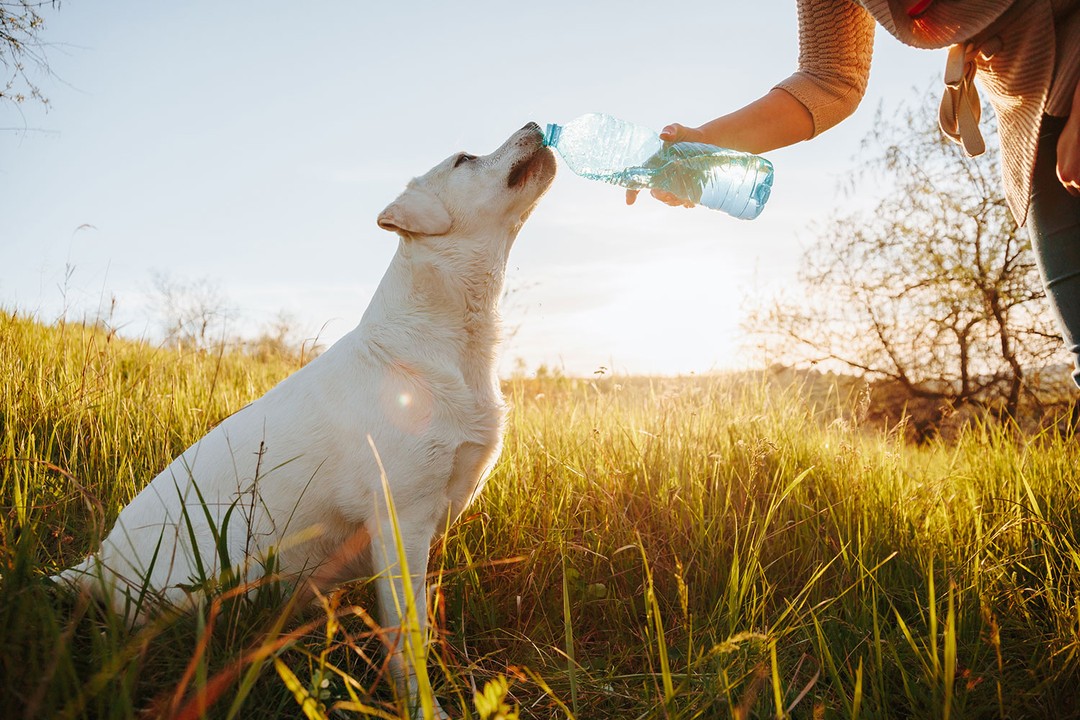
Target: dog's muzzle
(538,160)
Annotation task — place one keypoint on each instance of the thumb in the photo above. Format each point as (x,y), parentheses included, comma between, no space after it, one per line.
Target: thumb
(673,133)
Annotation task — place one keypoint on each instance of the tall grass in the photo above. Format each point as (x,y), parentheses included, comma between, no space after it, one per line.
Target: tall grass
(698,548)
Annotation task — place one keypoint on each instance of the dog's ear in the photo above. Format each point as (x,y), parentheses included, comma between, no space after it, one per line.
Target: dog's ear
(416,211)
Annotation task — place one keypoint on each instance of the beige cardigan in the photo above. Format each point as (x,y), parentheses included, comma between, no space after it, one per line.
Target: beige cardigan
(1025,55)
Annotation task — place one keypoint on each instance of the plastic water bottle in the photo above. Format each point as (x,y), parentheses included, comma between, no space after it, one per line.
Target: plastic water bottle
(604,148)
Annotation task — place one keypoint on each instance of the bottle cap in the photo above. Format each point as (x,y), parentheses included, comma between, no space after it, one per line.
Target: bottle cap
(551,135)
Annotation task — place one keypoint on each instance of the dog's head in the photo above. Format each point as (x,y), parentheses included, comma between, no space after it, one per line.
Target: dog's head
(471,196)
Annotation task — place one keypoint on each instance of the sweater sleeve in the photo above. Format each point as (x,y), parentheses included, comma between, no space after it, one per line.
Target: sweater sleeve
(836,43)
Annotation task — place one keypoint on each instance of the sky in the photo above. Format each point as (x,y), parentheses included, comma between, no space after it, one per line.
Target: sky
(249,147)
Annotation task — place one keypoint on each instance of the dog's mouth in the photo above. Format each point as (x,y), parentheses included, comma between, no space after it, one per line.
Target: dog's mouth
(540,164)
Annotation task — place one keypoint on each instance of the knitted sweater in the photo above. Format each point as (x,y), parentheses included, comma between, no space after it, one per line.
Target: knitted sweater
(1025,55)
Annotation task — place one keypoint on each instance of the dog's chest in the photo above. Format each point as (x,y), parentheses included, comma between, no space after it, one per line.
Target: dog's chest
(476,451)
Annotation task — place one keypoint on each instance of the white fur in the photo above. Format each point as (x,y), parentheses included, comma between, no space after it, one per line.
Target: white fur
(414,387)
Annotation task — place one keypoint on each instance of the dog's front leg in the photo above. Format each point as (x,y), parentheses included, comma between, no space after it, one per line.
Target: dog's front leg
(403,611)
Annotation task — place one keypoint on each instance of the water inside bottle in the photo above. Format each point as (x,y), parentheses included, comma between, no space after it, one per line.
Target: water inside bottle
(736,183)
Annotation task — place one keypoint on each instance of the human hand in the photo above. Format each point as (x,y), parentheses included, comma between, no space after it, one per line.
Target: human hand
(672,134)
(1068,150)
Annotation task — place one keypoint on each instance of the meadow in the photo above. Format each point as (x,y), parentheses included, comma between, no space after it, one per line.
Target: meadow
(700,547)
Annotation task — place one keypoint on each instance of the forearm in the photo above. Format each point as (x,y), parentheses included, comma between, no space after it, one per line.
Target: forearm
(773,121)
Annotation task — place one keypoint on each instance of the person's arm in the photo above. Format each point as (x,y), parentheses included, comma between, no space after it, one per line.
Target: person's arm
(774,121)
(1068,148)
(836,40)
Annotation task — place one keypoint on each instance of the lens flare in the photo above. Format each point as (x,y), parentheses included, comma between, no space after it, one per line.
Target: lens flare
(406,399)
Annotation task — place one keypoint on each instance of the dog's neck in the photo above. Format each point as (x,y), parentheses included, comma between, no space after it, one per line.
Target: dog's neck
(436,306)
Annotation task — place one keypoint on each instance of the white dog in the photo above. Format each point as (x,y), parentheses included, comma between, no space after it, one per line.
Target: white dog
(410,398)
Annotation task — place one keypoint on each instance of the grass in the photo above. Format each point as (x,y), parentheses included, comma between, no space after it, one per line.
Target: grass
(699,548)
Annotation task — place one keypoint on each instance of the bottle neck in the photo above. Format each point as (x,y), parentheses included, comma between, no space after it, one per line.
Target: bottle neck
(551,135)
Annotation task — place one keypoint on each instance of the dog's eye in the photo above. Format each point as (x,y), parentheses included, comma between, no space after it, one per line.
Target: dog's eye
(463,158)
